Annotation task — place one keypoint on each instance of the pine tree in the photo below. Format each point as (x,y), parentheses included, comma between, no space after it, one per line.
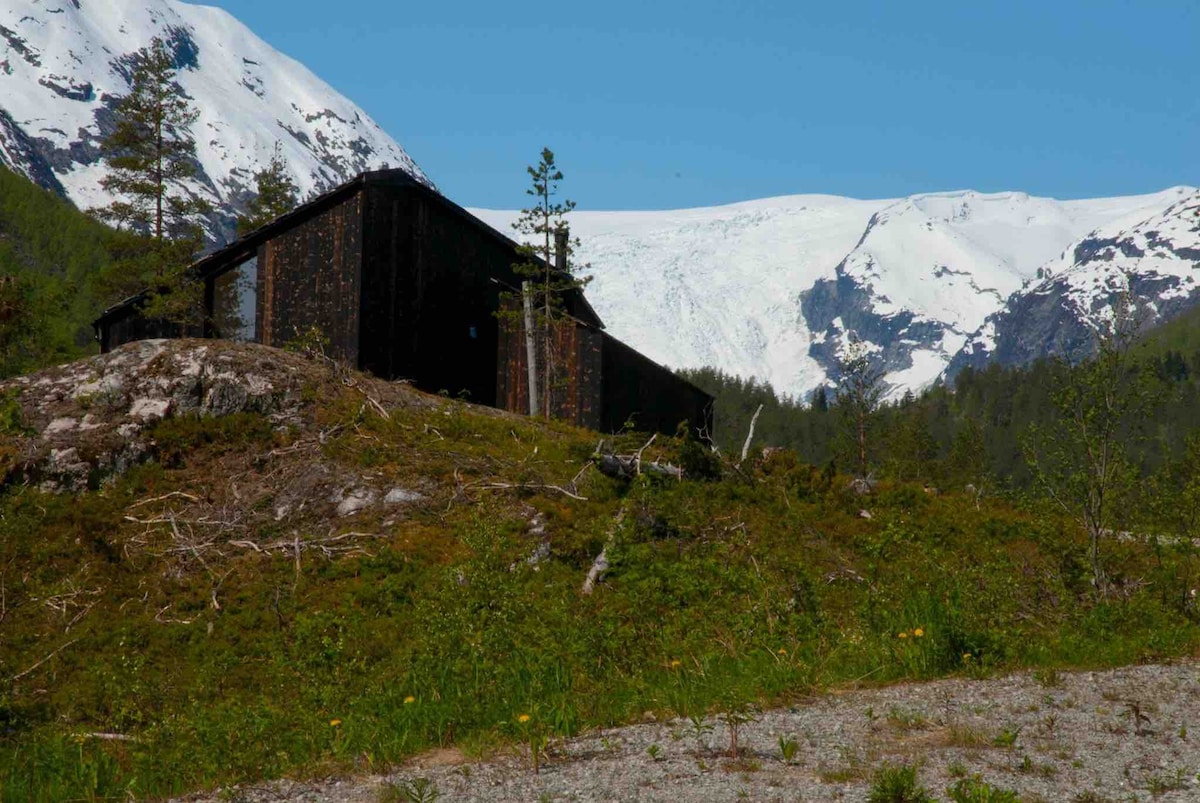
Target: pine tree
(860,391)
(543,228)
(276,194)
(151,154)
(820,400)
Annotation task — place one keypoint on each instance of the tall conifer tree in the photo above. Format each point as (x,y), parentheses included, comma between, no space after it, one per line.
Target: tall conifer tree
(860,391)
(151,154)
(540,226)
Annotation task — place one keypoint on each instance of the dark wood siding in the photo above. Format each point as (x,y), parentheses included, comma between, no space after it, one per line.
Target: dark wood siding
(643,392)
(308,277)
(575,392)
(429,300)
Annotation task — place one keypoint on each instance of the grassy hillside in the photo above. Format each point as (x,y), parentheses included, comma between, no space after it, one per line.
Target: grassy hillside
(180,628)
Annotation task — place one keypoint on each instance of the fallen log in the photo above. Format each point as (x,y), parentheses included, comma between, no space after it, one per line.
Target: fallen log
(626,467)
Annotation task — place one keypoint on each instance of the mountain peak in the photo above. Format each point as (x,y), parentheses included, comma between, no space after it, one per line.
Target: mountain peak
(64,64)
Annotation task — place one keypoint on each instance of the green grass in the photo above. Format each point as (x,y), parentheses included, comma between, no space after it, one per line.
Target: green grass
(753,589)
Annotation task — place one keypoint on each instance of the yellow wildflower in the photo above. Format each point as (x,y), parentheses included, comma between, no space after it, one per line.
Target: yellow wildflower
(335,722)
(918,632)
(409,699)
(676,663)
(523,718)
(966,656)
(902,635)
(782,651)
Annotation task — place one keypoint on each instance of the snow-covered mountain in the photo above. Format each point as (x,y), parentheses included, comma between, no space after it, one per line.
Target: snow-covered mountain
(772,288)
(63,63)
(769,288)
(1154,258)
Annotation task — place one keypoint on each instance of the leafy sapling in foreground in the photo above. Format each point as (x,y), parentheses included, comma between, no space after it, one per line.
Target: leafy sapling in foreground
(1084,462)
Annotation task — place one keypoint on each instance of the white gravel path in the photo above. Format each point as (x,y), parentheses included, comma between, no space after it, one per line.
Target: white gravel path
(1121,735)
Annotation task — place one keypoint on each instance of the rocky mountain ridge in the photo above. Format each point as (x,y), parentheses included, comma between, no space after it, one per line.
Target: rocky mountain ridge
(1154,263)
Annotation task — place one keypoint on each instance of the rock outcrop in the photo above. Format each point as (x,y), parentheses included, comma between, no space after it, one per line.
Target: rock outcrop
(81,423)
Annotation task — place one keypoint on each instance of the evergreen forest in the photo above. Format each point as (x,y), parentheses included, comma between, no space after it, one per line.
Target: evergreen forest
(975,430)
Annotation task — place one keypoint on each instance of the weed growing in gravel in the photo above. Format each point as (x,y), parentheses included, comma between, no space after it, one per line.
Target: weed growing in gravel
(412,790)
(897,784)
(1166,782)
(734,718)
(900,719)
(788,748)
(700,729)
(1048,677)
(533,733)
(965,736)
(1007,737)
(1030,767)
(976,790)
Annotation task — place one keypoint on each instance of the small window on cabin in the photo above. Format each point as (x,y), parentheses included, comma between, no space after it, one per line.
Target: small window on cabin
(235,301)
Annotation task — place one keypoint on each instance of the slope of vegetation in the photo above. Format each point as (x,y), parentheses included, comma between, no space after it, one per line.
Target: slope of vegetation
(152,643)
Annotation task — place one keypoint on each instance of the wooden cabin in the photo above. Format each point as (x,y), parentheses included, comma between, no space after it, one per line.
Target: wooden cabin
(406,284)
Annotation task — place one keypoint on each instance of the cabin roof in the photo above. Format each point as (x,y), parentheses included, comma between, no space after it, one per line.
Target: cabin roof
(243,248)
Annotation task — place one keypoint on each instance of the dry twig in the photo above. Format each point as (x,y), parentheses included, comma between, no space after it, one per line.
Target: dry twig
(535,486)
(20,675)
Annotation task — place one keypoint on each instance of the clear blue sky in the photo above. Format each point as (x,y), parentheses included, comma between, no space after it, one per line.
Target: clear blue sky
(664,104)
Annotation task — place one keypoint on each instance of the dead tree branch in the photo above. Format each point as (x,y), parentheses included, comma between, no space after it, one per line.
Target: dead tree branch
(171,495)
(535,486)
(750,435)
(600,564)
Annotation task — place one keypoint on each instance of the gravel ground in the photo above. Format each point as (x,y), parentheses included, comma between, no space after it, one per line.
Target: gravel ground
(1120,735)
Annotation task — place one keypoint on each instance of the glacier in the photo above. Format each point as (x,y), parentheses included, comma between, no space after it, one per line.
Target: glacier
(769,288)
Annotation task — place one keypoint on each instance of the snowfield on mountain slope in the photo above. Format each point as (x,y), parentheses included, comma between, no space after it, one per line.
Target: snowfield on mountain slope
(1155,254)
(716,286)
(721,286)
(63,63)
